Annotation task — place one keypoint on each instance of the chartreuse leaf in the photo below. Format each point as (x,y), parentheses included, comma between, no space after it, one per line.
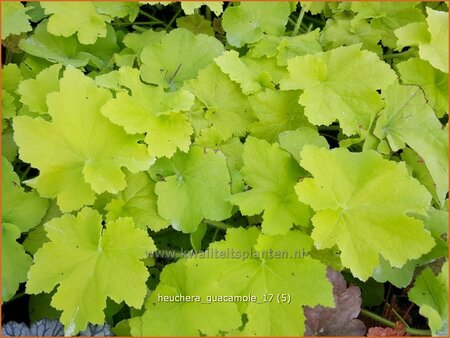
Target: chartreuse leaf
(272,187)
(21,211)
(67,18)
(189,318)
(11,78)
(15,261)
(196,186)
(230,63)
(407,118)
(89,264)
(346,31)
(137,201)
(430,293)
(232,149)
(335,89)
(227,111)
(189,7)
(285,47)
(276,111)
(33,92)
(137,41)
(416,165)
(266,265)
(357,197)
(252,75)
(178,57)
(151,110)
(294,140)
(118,9)
(385,17)
(248,22)
(433,82)
(80,152)
(15,19)
(431,37)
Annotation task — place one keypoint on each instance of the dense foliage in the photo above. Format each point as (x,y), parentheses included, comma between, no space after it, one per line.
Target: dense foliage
(219,169)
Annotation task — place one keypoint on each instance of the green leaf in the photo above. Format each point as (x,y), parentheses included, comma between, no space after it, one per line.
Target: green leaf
(430,293)
(15,262)
(433,82)
(195,23)
(400,277)
(11,78)
(188,318)
(89,264)
(9,147)
(40,308)
(432,38)
(68,18)
(23,209)
(272,187)
(248,22)
(224,109)
(137,201)
(68,51)
(407,118)
(178,57)
(80,152)
(354,201)
(152,111)
(14,19)
(336,89)
(276,111)
(196,186)
(386,17)
(33,92)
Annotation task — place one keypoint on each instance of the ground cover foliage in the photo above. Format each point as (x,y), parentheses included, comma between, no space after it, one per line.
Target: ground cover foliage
(241,169)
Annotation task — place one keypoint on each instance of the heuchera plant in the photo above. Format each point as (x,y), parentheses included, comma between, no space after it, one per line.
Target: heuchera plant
(136,132)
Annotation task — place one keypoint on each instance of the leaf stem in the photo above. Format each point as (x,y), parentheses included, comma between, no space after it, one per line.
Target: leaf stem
(8,56)
(150,16)
(25,173)
(216,224)
(17,296)
(299,22)
(395,55)
(329,128)
(173,19)
(207,13)
(139,29)
(135,23)
(415,332)
(215,235)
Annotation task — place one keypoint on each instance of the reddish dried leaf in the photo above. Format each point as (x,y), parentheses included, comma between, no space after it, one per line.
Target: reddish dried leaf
(340,320)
